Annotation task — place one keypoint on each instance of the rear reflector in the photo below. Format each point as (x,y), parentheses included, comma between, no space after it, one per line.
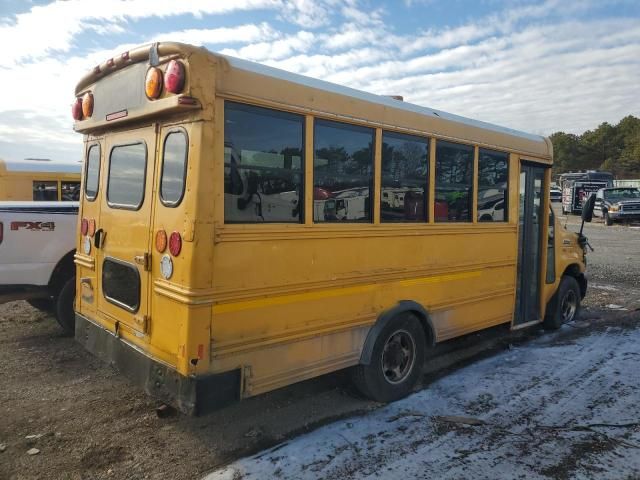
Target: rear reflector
(76,109)
(187,101)
(175,244)
(84,226)
(174,77)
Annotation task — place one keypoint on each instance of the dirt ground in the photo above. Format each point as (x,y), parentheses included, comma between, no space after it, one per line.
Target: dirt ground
(87,421)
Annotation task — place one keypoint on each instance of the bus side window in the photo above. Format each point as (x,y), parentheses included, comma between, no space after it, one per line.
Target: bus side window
(70,191)
(454,182)
(493,186)
(45,191)
(174,168)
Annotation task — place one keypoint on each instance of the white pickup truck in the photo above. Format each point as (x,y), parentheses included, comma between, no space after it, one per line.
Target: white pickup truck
(37,244)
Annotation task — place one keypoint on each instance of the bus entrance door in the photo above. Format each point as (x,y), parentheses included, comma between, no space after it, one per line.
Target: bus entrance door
(529,244)
(122,239)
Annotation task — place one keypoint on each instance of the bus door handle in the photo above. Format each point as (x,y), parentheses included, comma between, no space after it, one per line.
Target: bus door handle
(98,238)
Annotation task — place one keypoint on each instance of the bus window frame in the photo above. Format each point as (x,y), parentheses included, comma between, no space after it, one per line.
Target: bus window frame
(86,172)
(120,206)
(112,300)
(184,171)
(507,217)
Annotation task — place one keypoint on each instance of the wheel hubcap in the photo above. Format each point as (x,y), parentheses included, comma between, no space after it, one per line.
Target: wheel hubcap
(398,356)
(569,306)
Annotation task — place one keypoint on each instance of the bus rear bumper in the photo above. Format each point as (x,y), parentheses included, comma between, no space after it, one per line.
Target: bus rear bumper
(193,395)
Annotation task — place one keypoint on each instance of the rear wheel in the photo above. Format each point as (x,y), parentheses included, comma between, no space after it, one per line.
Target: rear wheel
(396,362)
(64,306)
(565,305)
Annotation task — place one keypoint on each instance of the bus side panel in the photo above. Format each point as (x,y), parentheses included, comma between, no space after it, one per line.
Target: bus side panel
(305,306)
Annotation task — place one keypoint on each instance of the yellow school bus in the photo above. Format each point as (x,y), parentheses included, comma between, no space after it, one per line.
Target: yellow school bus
(243,228)
(39,179)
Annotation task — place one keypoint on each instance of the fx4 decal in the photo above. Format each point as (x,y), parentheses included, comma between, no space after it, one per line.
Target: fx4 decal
(34,226)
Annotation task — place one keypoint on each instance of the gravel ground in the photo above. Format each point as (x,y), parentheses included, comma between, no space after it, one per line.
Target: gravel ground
(88,422)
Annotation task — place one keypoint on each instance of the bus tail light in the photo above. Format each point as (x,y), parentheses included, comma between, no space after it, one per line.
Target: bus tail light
(175,244)
(84,227)
(174,77)
(153,83)
(87,104)
(161,241)
(76,109)
(92,227)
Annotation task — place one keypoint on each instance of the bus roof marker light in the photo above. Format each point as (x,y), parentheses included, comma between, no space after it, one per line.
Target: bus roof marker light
(76,109)
(153,83)
(174,76)
(87,104)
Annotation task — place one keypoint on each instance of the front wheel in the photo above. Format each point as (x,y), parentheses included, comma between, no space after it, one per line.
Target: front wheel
(564,306)
(64,306)
(607,219)
(397,361)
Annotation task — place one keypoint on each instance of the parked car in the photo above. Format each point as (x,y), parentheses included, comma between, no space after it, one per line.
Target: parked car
(617,204)
(555,194)
(37,246)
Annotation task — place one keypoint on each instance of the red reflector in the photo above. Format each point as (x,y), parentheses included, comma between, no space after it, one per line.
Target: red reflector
(174,77)
(187,101)
(125,56)
(76,109)
(175,244)
(117,115)
(110,63)
(84,226)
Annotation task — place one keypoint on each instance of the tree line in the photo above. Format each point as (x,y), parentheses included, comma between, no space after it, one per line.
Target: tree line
(612,148)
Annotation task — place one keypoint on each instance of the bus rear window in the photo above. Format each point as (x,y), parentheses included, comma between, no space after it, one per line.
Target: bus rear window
(127,167)
(92,174)
(121,284)
(174,168)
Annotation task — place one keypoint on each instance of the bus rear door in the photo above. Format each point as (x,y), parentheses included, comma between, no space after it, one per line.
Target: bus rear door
(123,235)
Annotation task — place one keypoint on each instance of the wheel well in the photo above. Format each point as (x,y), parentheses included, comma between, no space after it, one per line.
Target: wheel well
(403,307)
(63,271)
(573,270)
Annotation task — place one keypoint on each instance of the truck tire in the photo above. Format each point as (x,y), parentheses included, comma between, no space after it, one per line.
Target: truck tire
(65,314)
(43,304)
(565,304)
(607,219)
(397,361)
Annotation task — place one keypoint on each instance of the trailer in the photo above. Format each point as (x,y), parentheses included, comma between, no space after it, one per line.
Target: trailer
(577,187)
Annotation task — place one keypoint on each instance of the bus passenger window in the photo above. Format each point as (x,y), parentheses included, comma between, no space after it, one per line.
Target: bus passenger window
(343,172)
(493,183)
(70,191)
(44,190)
(405,164)
(174,168)
(263,165)
(454,182)
(92,174)
(127,169)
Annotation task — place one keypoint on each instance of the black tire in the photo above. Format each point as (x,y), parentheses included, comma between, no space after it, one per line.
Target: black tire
(607,219)
(64,306)
(385,384)
(565,304)
(43,304)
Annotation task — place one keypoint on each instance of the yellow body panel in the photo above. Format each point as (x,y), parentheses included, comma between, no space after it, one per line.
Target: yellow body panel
(285,302)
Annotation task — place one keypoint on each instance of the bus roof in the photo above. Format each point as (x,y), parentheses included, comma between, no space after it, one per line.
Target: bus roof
(387,101)
(39,166)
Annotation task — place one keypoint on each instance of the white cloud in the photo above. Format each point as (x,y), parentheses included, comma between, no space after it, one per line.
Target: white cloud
(225,35)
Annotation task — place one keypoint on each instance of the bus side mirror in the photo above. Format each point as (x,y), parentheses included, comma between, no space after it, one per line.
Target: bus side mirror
(587,209)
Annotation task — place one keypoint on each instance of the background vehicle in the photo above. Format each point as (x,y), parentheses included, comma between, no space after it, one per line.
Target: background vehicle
(555,194)
(578,186)
(617,204)
(188,285)
(39,180)
(37,243)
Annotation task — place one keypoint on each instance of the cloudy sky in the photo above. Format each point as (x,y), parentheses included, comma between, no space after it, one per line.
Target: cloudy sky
(535,66)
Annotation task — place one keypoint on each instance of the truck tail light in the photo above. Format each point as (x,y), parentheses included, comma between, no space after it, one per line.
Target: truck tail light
(175,244)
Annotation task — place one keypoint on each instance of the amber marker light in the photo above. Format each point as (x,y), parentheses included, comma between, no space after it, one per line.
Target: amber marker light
(92,227)
(87,104)
(153,83)
(161,241)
